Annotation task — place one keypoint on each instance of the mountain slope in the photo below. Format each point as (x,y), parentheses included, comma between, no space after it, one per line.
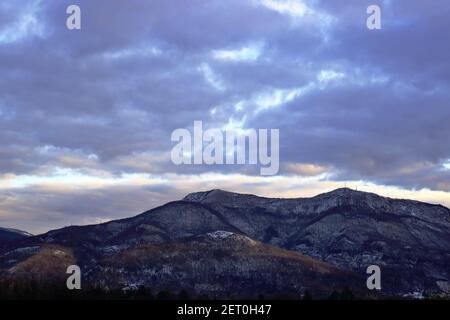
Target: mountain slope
(222,264)
(351,230)
(410,240)
(7,234)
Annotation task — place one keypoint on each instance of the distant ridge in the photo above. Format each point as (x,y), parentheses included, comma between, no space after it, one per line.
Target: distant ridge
(8,234)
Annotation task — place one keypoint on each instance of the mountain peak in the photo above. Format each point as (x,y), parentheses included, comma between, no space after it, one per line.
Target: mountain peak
(219,194)
(202,195)
(345,191)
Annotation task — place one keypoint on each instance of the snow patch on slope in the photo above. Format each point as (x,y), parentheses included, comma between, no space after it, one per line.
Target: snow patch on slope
(219,235)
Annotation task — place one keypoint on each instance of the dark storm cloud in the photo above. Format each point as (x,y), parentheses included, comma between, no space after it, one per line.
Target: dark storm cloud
(372,105)
(390,124)
(113,89)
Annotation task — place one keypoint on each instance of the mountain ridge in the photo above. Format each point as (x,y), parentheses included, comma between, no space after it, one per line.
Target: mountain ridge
(9,234)
(347,229)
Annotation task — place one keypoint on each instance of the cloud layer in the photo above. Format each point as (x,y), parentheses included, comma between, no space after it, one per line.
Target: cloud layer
(100,103)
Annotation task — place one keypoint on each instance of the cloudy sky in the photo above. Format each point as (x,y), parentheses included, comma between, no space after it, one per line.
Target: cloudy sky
(86,115)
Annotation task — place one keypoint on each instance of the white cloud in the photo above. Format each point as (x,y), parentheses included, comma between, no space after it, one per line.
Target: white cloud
(248,53)
(308,169)
(269,99)
(302,14)
(211,77)
(25,25)
(446,165)
(295,8)
(299,10)
(66,179)
(329,75)
(142,51)
(278,97)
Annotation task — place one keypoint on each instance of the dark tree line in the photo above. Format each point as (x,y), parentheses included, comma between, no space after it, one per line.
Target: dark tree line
(13,289)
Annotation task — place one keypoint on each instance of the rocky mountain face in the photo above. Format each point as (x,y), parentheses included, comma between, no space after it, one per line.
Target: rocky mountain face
(409,240)
(7,234)
(227,244)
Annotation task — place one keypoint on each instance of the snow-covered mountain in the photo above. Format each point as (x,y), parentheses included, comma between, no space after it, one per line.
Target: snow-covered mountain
(228,244)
